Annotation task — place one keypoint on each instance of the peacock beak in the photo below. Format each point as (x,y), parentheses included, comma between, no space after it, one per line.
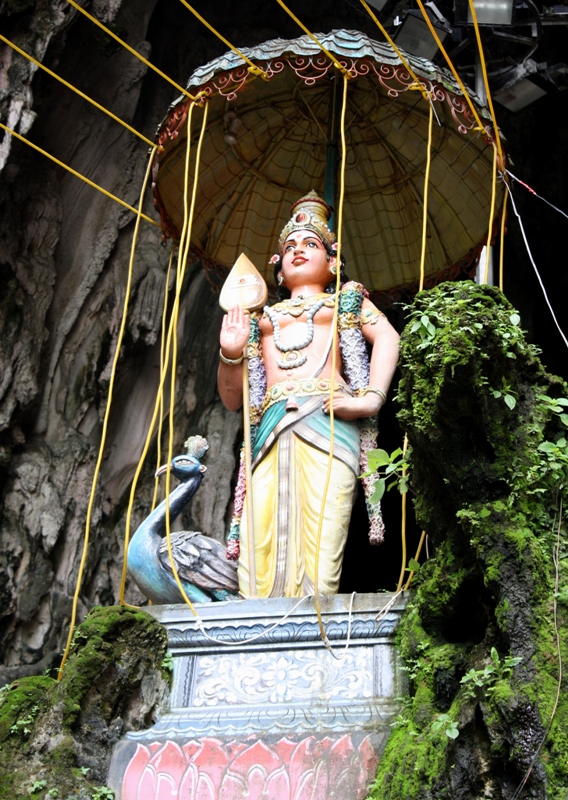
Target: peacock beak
(161,470)
(202,468)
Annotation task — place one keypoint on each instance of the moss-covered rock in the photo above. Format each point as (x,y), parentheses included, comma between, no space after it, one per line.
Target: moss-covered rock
(56,738)
(481,637)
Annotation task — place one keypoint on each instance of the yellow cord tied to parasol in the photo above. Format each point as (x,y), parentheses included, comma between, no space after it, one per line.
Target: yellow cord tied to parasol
(105,421)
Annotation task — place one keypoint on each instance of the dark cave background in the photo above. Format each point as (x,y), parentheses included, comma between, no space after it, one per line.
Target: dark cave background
(63,256)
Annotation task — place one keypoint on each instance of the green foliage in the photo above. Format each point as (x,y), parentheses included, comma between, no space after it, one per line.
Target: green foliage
(392,470)
(487,428)
(111,650)
(445,723)
(168,663)
(486,678)
(102,793)
(508,395)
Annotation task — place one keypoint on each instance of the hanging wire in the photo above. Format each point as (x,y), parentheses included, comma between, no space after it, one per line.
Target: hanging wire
(491,215)
(481,126)
(136,53)
(171,333)
(420,288)
(163,367)
(78,175)
(333,365)
(403,522)
(334,61)
(486,83)
(106,418)
(175,312)
(536,194)
(416,557)
(252,68)
(417,83)
(502,241)
(536,270)
(78,91)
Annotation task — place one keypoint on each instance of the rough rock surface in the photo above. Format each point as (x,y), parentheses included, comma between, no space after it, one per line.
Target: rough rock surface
(57,737)
(483,637)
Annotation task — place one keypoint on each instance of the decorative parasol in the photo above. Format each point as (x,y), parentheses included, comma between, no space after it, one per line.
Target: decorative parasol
(270,142)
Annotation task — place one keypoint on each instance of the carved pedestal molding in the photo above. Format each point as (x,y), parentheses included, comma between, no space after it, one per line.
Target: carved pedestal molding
(278,716)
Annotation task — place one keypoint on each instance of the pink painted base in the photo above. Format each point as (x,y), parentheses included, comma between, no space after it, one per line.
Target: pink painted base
(209,769)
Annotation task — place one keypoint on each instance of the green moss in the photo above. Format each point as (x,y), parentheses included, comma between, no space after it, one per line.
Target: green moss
(478,642)
(111,652)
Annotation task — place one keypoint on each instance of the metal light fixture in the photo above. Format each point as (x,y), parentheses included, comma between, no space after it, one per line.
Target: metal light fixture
(528,82)
(488,12)
(413,34)
(377,4)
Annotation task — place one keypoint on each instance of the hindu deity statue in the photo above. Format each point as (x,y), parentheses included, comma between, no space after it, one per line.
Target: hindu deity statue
(290,370)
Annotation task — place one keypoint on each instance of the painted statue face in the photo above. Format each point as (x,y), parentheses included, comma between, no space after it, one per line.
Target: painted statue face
(305,260)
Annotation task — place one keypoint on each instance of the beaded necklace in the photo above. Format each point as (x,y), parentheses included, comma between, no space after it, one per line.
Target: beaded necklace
(292,356)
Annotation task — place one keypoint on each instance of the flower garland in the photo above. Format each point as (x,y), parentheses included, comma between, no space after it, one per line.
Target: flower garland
(356,366)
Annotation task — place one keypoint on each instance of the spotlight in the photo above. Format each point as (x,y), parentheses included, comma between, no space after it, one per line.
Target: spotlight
(377,4)
(413,34)
(528,82)
(488,12)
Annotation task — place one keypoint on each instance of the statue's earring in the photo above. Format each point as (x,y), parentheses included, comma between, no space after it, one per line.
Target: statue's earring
(280,279)
(333,270)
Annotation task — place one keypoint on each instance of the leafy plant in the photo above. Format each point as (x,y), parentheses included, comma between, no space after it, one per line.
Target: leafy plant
(21,725)
(557,406)
(37,786)
(168,663)
(447,724)
(392,470)
(102,793)
(425,328)
(508,395)
(53,793)
(487,677)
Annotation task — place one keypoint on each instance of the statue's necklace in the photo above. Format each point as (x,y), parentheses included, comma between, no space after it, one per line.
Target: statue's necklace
(292,356)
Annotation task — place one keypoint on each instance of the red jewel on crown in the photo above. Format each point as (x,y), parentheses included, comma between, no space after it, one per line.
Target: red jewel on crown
(301,217)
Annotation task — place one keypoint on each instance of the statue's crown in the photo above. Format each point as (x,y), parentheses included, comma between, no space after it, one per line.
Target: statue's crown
(310,213)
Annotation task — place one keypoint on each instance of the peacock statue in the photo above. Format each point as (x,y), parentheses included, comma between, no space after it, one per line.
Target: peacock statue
(203,569)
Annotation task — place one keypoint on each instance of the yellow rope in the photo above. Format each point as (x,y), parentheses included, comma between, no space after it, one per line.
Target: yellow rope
(253,68)
(403,522)
(78,175)
(182,262)
(486,82)
(334,61)
(163,374)
(77,91)
(135,52)
(333,359)
(106,418)
(421,287)
(425,203)
(491,216)
(468,99)
(174,364)
(162,368)
(416,557)
(417,82)
(503,220)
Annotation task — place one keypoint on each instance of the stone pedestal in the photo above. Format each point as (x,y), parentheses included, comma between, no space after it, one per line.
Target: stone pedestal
(261,709)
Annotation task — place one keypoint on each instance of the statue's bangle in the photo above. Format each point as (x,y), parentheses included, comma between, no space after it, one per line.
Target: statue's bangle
(232,362)
(374,390)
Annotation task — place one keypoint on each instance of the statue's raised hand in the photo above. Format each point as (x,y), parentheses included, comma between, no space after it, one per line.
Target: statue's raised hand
(234,332)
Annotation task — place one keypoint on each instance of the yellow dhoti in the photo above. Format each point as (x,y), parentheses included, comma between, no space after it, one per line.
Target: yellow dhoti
(288,485)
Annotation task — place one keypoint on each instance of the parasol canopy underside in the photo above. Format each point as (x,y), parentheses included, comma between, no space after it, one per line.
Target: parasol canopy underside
(266,144)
